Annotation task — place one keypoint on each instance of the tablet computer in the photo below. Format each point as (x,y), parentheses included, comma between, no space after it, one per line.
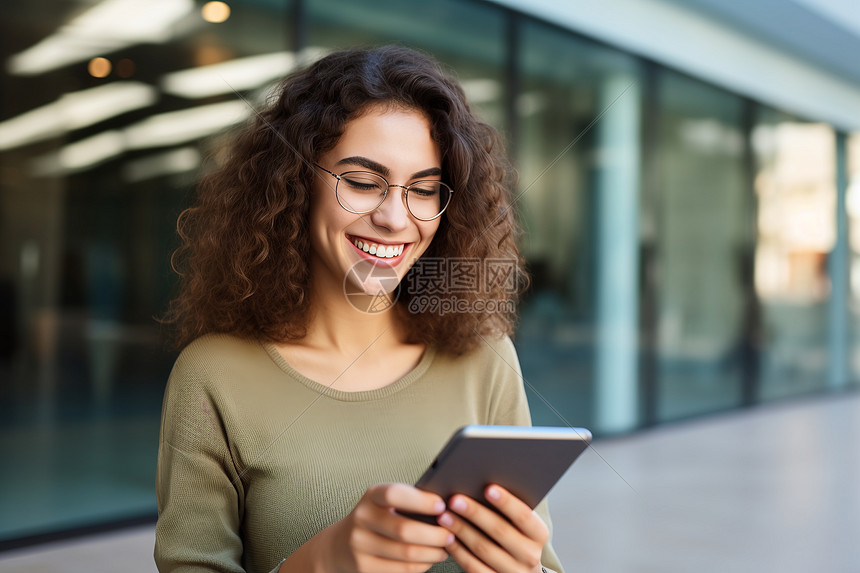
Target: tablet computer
(525,460)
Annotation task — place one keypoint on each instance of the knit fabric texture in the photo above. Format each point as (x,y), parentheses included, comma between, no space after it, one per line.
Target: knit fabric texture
(255,458)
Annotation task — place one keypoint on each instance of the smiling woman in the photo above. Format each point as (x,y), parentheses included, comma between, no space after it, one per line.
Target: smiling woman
(393,234)
(367,173)
(258,283)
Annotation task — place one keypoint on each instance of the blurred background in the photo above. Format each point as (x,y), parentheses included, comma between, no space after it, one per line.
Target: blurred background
(689,185)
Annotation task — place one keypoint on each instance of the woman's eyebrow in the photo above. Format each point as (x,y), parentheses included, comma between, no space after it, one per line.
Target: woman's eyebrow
(383,170)
(366,163)
(433,171)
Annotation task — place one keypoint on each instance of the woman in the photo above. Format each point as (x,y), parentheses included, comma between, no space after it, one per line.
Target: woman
(301,407)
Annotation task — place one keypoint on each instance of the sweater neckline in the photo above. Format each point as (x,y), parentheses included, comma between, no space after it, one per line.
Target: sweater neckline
(360,395)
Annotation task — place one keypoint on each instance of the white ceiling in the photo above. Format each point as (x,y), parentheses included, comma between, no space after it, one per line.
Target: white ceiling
(797,55)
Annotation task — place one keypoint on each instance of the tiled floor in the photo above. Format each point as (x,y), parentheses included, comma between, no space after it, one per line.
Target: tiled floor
(774,489)
(128,551)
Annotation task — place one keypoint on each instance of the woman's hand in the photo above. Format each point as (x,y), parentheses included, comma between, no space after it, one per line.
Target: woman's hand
(487,542)
(375,539)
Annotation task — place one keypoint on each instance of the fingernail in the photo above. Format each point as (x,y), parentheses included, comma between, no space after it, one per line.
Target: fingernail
(446,520)
(494,494)
(438,507)
(450,539)
(457,504)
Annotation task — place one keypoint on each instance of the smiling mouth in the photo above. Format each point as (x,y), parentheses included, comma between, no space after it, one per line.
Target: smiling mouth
(378,250)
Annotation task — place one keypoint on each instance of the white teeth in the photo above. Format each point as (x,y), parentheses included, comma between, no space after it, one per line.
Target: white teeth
(381,251)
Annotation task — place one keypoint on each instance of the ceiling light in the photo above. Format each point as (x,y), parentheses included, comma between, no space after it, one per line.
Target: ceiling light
(482,90)
(106,27)
(161,130)
(180,126)
(235,75)
(125,68)
(99,67)
(215,12)
(80,155)
(74,111)
(171,162)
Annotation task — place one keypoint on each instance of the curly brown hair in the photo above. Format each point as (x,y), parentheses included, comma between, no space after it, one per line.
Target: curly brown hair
(243,259)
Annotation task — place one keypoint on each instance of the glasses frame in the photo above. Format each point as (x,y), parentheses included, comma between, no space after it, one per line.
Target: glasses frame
(388,187)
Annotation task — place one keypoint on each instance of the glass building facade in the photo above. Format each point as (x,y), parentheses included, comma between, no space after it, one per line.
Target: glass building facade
(691,250)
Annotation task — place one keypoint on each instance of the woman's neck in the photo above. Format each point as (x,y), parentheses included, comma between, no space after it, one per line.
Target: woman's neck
(350,325)
(351,345)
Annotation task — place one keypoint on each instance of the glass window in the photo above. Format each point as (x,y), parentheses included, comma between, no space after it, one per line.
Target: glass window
(100,143)
(468,36)
(852,201)
(703,231)
(795,187)
(578,114)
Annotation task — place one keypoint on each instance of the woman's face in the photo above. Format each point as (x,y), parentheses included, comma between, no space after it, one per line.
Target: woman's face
(396,144)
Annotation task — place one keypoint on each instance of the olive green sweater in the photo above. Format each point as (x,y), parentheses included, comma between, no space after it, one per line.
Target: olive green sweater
(255,458)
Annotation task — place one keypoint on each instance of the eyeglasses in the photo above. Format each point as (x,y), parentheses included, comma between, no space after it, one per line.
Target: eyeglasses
(362,192)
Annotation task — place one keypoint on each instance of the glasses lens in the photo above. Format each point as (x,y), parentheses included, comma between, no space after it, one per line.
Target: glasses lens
(360,191)
(426,199)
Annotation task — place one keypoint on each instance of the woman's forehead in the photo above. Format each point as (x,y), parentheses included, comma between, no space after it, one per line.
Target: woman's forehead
(393,137)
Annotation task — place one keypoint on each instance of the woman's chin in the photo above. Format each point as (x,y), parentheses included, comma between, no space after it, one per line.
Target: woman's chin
(371,288)
(365,278)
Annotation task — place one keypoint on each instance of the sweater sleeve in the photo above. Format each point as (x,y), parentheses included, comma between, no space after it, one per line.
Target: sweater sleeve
(511,408)
(198,490)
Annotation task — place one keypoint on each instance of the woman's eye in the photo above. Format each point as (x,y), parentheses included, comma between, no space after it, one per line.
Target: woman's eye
(362,184)
(425,190)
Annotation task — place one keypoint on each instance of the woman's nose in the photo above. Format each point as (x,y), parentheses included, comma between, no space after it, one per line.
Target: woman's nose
(392,214)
